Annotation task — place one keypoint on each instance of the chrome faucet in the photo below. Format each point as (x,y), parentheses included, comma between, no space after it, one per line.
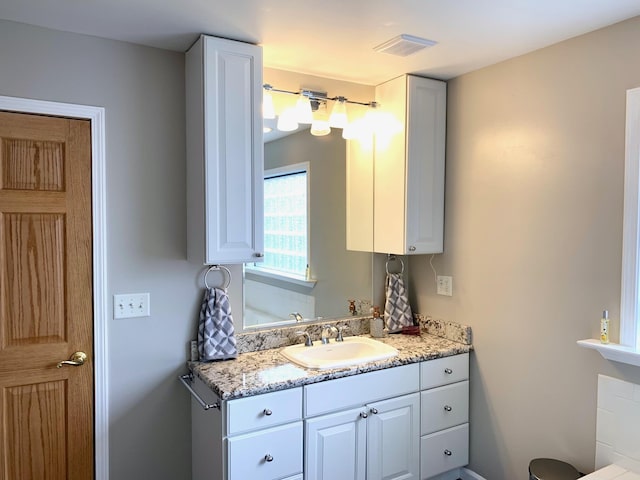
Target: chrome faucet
(307,340)
(297,316)
(339,330)
(325,338)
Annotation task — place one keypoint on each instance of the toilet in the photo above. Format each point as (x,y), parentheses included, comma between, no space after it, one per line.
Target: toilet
(551,469)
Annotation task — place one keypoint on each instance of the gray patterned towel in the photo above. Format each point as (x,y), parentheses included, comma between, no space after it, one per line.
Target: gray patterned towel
(215,328)
(397,311)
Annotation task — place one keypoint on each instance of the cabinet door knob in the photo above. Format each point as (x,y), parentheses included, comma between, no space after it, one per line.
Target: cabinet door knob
(363,414)
(373,410)
(258,255)
(447,408)
(448,453)
(448,371)
(267,412)
(412,248)
(268,458)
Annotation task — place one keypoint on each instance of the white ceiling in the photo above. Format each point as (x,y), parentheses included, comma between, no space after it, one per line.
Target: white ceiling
(335,38)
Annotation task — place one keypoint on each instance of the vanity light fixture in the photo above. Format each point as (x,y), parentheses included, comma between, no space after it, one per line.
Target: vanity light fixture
(310,101)
(268,111)
(338,118)
(320,126)
(287,121)
(303,108)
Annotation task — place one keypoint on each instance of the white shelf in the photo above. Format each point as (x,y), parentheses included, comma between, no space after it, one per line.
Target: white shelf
(613,351)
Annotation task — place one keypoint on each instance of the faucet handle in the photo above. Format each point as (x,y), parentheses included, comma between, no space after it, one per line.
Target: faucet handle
(339,334)
(307,340)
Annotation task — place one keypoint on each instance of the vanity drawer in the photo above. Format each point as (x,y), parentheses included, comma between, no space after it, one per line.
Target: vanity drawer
(443,371)
(444,407)
(360,389)
(262,411)
(266,455)
(444,451)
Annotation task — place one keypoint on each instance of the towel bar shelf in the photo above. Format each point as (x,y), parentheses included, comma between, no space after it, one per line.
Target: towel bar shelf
(185,380)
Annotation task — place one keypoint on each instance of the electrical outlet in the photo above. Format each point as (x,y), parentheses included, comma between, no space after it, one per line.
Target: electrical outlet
(130,305)
(445,285)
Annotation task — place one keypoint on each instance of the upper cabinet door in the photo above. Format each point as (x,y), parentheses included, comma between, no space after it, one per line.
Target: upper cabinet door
(409,167)
(224,151)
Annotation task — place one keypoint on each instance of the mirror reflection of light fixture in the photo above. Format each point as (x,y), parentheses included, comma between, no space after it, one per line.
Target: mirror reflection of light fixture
(287,121)
(303,108)
(320,126)
(268,111)
(338,118)
(310,101)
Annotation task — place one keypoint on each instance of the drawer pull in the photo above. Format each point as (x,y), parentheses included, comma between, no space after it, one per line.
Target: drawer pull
(374,410)
(448,453)
(448,371)
(363,415)
(268,458)
(267,412)
(447,408)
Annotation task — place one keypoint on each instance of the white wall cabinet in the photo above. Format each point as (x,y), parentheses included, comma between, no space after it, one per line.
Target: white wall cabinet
(224,151)
(406,215)
(416,427)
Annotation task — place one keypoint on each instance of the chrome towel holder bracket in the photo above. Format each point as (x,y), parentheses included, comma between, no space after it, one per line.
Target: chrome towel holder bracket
(186,380)
(219,268)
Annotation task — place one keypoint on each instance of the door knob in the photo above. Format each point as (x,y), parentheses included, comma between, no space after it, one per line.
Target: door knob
(76,360)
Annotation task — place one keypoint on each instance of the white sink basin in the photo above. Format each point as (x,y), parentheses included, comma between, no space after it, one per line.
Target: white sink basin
(352,351)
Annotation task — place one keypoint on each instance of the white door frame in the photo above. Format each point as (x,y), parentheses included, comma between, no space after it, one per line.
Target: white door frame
(98,193)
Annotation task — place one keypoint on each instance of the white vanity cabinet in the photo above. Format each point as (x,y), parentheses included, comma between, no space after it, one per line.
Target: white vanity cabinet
(376,437)
(257,438)
(395,191)
(444,411)
(402,423)
(224,151)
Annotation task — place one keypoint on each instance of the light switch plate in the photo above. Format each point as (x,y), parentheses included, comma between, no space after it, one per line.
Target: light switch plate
(131,305)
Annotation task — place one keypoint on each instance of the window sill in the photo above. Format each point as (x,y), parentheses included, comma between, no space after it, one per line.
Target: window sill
(280,277)
(613,351)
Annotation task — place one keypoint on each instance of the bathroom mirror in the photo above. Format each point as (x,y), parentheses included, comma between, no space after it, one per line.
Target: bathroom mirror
(339,275)
(335,274)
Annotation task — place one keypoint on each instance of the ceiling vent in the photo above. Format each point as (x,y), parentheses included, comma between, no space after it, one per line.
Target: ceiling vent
(404,45)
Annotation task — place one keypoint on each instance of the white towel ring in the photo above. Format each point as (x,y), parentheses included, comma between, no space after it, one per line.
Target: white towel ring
(219,268)
(390,258)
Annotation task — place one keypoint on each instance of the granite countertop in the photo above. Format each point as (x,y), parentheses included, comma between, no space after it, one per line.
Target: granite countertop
(265,371)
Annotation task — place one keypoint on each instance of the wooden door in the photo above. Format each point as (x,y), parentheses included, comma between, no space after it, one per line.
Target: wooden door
(46,413)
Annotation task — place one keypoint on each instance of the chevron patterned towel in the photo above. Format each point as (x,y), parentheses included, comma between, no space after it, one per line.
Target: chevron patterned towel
(397,311)
(215,328)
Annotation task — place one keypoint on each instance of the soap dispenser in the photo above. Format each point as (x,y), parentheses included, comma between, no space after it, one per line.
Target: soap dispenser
(604,327)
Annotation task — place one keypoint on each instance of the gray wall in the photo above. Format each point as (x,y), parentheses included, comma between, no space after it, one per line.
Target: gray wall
(141,90)
(534,189)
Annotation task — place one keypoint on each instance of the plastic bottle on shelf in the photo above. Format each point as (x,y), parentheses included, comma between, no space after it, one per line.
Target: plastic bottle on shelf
(604,327)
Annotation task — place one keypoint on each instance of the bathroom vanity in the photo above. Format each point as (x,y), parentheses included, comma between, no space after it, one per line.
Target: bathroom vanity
(404,417)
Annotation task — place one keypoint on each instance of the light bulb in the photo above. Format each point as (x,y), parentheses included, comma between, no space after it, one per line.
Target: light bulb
(338,118)
(320,126)
(303,109)
(287,120)
(268,111)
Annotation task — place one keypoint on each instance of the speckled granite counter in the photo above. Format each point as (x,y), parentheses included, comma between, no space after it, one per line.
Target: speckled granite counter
(265,371)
